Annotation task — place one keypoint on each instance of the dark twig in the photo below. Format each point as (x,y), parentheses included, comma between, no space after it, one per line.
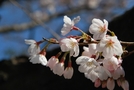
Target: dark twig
(52,40)
(128,54)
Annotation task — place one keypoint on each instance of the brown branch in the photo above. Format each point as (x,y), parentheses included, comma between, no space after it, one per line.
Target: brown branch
(52,40)
(128,54)
(18,27)
(123,43)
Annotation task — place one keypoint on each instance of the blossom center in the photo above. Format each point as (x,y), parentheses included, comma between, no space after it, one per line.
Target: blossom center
(102,29)
(73,44)
(89,63)
(110,43)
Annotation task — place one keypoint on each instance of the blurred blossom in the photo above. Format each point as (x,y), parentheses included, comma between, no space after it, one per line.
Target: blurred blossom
(93,3)
(40,15)
(50,4)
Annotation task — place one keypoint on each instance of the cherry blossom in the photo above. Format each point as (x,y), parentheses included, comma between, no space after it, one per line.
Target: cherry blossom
(110,46)
(59,68)
(111,64)
(100,60)
(98,28)
(71,45)
(68,73)
(69,24)
(90,50)
(34,46)
(118,73)
(98,72)
(38,59)
(52,62)
(92,76)
(86,60)
(110,84)
(123,83)
(97,83)
(92,69)
(86,63)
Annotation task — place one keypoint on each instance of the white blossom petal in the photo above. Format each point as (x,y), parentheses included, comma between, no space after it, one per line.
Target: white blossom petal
(82,59)
(110,84)
(76,20)
(125,85)
(68,73)
(92,76)
(52,62)
(38,59)
(34,59)
(67,20)
(98,28)
(68,24)
(42,59)
(58,69)
(110,46)
(71,45)
(30,41)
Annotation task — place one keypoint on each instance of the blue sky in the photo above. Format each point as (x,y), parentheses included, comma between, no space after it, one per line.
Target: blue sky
(12,43)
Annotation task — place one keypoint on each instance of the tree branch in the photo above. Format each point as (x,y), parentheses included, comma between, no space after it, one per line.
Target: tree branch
(35,22)
(18,27)
(40,22)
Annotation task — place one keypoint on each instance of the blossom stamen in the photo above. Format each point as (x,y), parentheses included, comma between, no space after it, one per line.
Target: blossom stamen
(110,43)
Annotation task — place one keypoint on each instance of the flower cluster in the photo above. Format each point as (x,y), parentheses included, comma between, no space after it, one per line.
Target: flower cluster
(100,60)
